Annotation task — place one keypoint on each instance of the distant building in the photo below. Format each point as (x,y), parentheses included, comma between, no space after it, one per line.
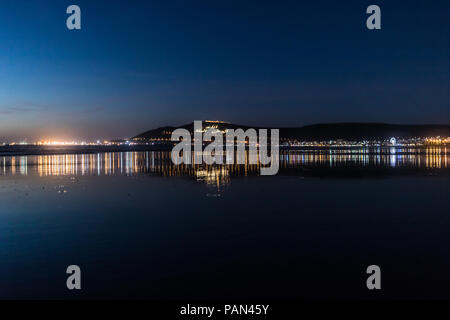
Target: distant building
(393,141)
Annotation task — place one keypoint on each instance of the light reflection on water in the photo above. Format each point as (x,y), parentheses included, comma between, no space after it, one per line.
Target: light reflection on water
(432,158)
(159,162)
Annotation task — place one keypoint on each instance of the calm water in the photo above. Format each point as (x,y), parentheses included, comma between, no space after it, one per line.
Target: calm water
(141,228)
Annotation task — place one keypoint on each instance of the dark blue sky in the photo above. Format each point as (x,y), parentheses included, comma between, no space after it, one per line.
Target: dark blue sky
(136,65)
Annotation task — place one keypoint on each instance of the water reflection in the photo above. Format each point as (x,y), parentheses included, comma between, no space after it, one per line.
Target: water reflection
(129,163)
(421,158)
(113,163)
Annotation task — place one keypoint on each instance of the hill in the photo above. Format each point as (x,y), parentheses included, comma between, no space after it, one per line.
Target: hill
(324,131)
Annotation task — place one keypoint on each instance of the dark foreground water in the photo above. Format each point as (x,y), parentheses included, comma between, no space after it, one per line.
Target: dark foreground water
(141,228)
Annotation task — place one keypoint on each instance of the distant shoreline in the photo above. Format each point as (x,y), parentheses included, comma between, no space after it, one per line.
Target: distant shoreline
(30,150)
(33,150)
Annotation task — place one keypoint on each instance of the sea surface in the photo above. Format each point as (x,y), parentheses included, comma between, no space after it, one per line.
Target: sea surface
(140,227)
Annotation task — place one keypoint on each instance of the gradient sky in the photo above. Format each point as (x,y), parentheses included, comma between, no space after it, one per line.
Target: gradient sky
(136,65)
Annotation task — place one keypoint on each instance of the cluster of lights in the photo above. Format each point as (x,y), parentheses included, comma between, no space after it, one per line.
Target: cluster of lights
(70,143)
(390,142)
(438,140)
(60,143)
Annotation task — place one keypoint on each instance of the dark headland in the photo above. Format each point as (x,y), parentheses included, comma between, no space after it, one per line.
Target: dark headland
(325,131)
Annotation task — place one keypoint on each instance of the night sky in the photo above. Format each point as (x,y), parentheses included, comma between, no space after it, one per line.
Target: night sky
(137,65)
